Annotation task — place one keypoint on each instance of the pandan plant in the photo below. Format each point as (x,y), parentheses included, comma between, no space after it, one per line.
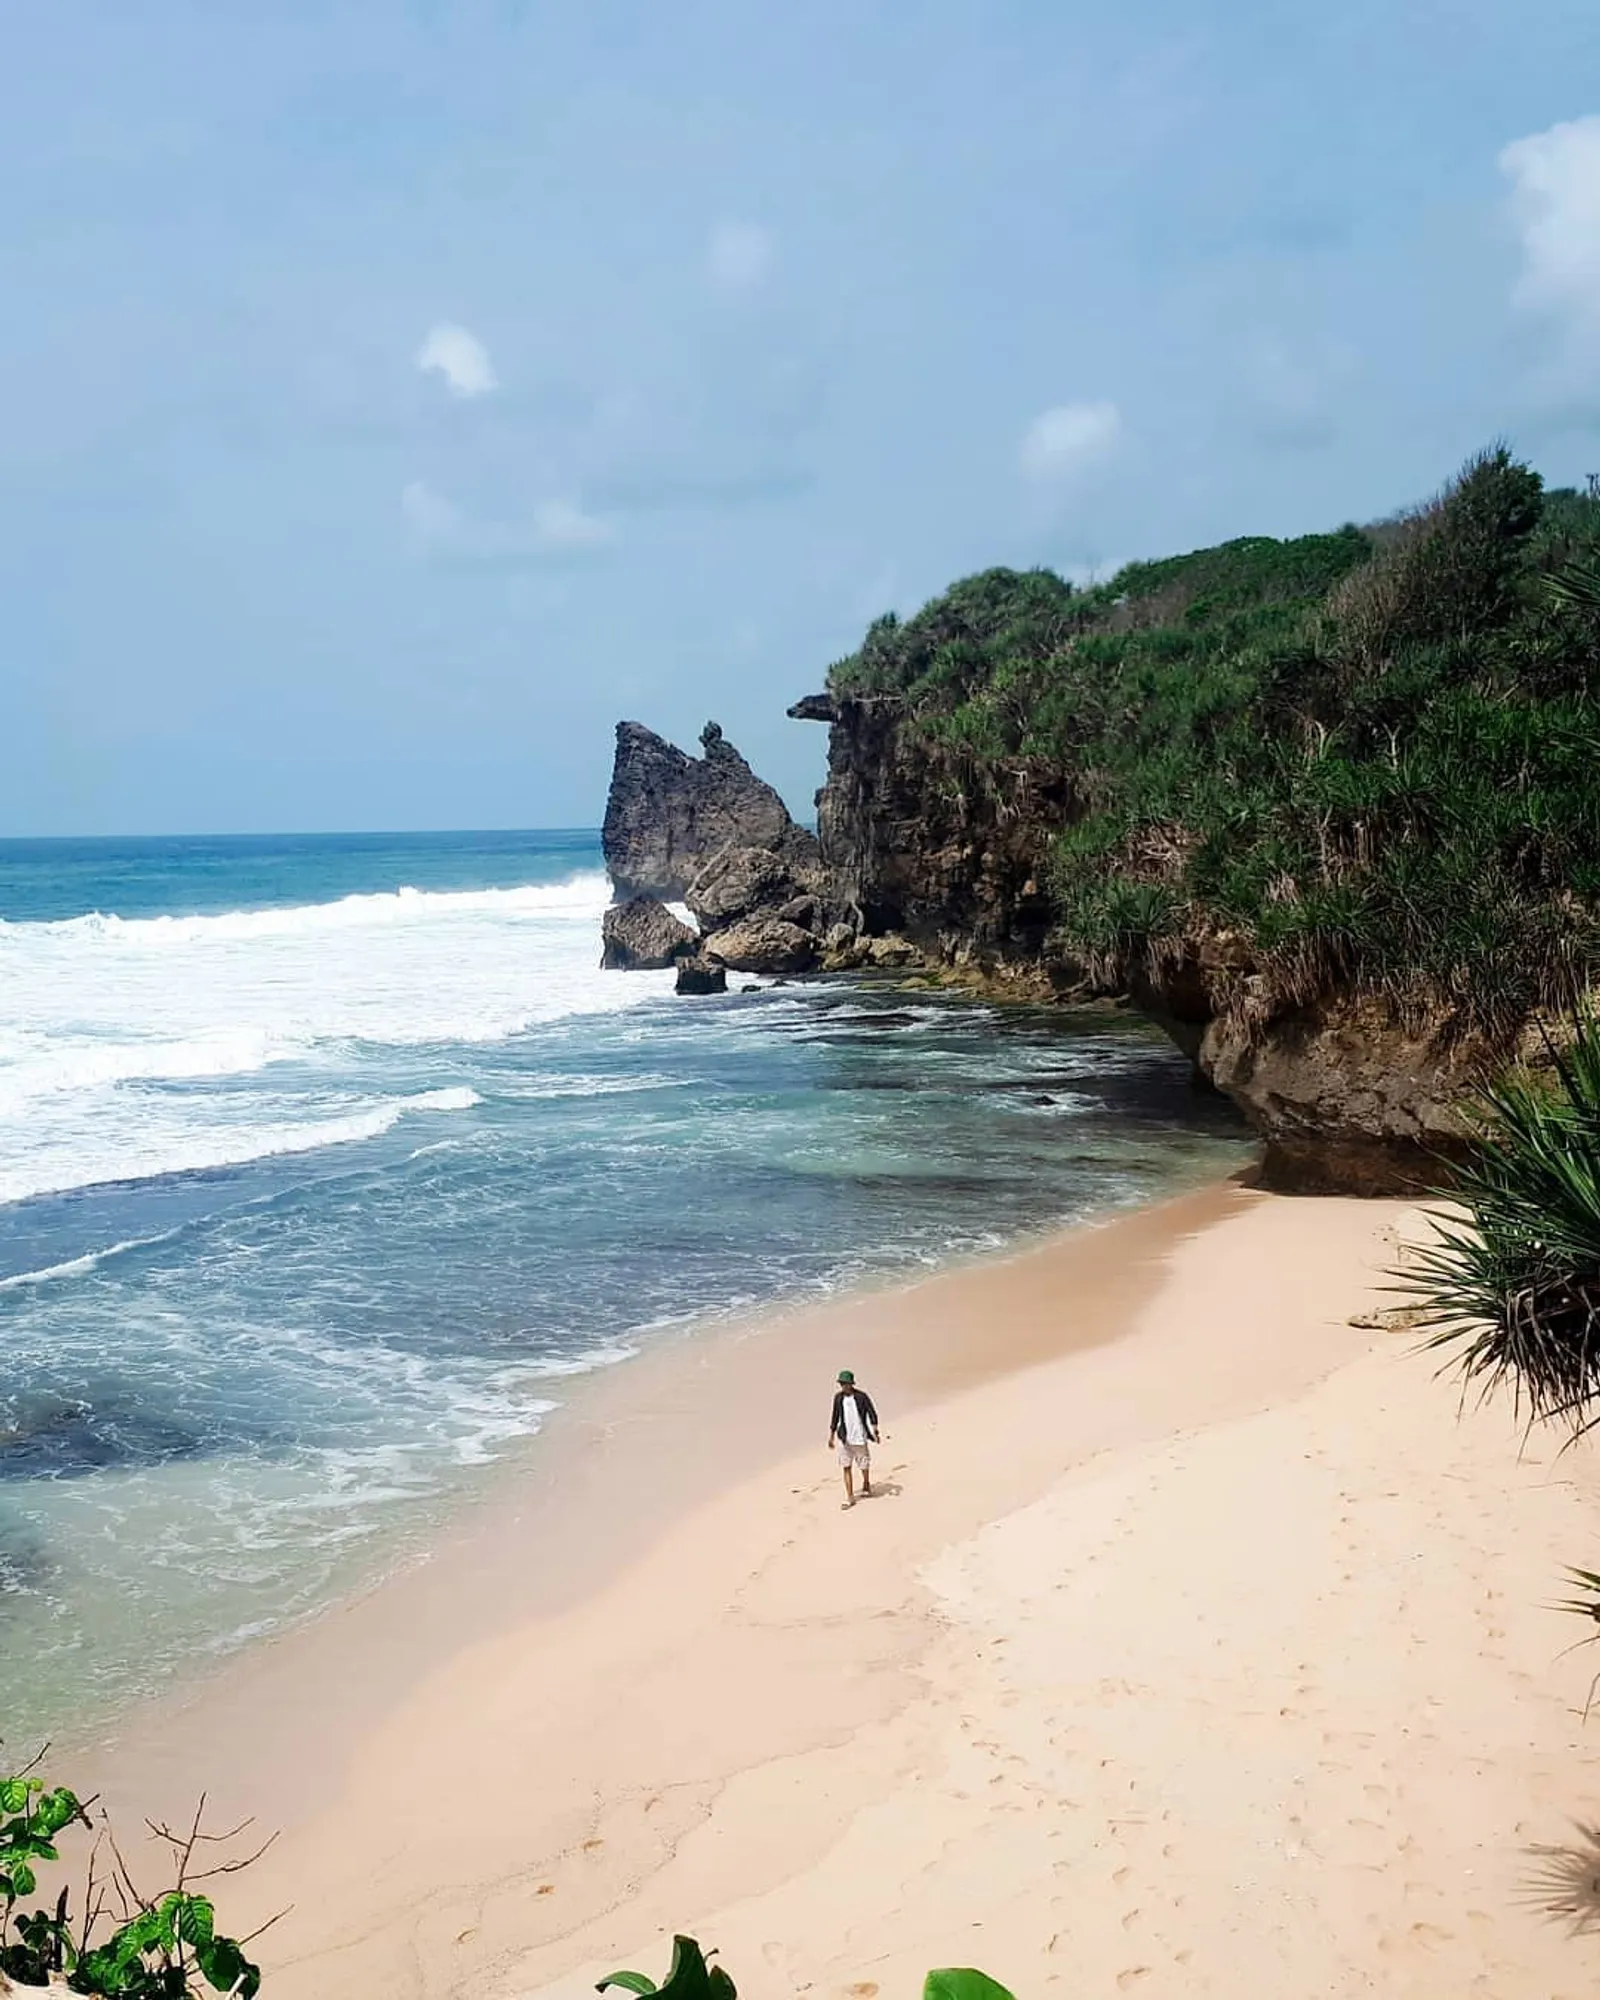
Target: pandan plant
(1512,1287)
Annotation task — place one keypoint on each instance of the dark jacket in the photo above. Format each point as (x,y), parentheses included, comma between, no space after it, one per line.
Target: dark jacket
(869,1415)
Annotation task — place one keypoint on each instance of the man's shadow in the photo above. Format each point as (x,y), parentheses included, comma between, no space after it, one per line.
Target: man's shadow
(884,1489)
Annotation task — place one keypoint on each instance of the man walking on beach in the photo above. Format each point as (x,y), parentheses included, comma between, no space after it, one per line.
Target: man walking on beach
(854,1430)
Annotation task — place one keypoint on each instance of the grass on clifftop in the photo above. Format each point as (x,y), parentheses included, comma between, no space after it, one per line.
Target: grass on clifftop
(1369,759)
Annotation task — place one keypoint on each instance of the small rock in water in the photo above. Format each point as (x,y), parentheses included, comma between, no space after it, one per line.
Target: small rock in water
(699,975)
(51,1437)
(642,935)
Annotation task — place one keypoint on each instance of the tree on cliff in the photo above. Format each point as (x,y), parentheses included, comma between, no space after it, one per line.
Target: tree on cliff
(1360,762)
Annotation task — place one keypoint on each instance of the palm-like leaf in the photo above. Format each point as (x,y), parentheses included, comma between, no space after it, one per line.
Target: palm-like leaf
(1514,1288)
(1585,1601)
(1578,583)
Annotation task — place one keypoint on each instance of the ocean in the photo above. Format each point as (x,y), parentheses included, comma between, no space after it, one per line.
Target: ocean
(326,1162)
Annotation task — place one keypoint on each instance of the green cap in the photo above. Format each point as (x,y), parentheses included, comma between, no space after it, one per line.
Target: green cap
(846,1376)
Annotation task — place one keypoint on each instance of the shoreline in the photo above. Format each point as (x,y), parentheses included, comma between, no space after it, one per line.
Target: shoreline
(287,1473)
(615,1418)
(1137,1660)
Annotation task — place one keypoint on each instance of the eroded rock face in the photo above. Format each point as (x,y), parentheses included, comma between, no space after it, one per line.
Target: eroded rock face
(912,848)
(736,881)
(925,852)
(668,814)
(642,935)
(1347,1098)
(763,944)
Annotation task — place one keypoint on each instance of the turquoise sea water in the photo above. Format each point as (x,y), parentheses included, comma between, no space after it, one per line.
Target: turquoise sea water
(325,1162)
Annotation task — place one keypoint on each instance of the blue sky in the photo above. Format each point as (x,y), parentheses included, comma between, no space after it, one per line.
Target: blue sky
(392,397)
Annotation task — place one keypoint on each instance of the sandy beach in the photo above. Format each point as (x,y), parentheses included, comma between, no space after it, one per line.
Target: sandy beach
(1197,1643)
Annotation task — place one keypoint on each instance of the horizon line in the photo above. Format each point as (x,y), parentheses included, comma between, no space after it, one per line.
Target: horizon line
(292,833)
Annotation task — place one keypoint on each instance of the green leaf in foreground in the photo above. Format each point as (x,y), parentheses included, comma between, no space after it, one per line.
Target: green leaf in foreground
(961,1982)
(164,1948)
(691,1978)
(1513,1285)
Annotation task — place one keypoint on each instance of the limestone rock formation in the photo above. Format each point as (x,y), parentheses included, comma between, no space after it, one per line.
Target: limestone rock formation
(925,862)
(668,814)
(642,935)
(707,830)
(911,849)
(763,943)
(1348,1099)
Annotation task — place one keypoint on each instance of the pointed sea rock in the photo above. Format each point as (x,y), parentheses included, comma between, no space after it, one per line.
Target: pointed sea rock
(668,814)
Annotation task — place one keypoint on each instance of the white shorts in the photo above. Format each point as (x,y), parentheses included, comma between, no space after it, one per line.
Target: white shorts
(854,1454)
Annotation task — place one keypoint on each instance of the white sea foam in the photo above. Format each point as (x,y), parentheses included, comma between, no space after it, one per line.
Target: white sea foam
(536,1084)
(459,1097)
(138,1047)
(148,1149)
(80,1267)
(580,896)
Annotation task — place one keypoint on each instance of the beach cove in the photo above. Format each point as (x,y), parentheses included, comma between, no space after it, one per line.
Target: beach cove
(1197,1644)
(331,1164)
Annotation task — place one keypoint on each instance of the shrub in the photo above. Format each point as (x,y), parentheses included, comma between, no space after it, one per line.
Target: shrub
(1368,755)
(1513,1288)
(160,1947)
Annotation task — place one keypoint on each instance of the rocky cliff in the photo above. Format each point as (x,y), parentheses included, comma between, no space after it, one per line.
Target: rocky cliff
(706,831)
(1324,808)
(914,848)
(1347,1095)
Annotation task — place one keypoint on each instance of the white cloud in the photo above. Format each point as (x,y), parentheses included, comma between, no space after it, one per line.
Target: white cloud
(1067,440)
(1555,199)
(555,528)
(740,256)
(460,357)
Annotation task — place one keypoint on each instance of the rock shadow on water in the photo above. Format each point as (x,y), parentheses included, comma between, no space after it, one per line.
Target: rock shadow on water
(63,1437)
(25,1568)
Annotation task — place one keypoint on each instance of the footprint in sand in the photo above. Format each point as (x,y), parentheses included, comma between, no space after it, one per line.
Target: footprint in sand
(1134,1975)
(1426,1934)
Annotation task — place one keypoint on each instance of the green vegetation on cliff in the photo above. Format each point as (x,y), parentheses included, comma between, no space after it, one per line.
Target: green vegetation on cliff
(1366,760)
